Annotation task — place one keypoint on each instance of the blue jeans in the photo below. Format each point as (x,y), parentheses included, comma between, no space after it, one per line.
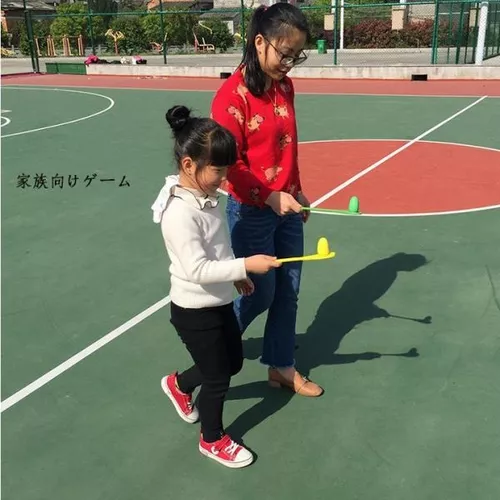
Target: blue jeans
(257,230)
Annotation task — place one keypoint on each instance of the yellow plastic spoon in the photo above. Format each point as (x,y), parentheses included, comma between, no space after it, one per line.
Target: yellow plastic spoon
(323,252)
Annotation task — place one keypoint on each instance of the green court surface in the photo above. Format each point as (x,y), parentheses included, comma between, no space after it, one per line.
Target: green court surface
(402,328)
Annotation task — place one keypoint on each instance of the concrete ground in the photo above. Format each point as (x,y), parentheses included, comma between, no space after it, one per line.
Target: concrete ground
(349,57)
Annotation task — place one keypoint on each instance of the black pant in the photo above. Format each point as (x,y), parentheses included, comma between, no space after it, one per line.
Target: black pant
(213,338)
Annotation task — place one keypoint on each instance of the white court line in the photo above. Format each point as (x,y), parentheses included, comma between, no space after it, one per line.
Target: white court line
(419,214)
(79,356)
(340,94)
(66,365)
(5,121)
(393,154)
(112,103)
(378,139)
(44,379)
(462,144)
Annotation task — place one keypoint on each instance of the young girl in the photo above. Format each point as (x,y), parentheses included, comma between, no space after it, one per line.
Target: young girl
(203,271)
(265,202)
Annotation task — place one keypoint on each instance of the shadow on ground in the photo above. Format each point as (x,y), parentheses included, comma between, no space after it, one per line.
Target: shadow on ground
(338,315)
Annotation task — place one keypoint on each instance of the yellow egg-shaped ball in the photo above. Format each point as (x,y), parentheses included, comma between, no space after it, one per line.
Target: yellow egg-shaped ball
(323,248)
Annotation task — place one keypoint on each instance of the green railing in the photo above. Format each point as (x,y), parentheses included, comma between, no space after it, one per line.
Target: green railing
(354,33)
(464,29)
(492,35)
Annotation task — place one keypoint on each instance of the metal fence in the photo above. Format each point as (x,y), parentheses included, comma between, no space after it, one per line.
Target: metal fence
(467,33)
(357,34)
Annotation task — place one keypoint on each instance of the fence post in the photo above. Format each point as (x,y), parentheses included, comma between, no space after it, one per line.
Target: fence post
(497,23)
(91,29)
(341,45)
(35,63)
(435,35)
(335,31)
(460,36)
(242,8)
(163,35)
(481,36)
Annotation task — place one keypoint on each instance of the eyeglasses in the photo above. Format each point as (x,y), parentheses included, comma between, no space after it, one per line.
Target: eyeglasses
(287,60)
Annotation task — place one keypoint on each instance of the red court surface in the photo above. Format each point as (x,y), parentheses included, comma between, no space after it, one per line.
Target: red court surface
(451,88)
(425,178)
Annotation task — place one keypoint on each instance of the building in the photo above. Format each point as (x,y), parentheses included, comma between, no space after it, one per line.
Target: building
(13,11)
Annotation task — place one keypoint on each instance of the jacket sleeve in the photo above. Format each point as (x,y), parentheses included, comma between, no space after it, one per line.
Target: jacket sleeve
(230,111)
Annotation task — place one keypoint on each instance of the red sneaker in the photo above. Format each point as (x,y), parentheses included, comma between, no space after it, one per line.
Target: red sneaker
(226,452)
(183,403)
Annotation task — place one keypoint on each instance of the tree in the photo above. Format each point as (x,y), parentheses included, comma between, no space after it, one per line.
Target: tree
(70,22)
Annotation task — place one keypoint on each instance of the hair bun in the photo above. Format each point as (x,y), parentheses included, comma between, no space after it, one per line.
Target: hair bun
(177,117)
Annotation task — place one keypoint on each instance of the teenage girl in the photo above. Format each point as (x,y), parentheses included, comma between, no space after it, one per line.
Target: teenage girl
(203,271)
(265,202)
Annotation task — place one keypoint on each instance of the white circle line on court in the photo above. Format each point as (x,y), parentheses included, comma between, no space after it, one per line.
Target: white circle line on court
(402,140)
(297,92)
(5,121)
(448,212)
(418,214)
(76,120)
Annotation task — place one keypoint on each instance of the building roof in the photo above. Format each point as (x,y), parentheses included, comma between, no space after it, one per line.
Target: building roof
(221,15)
(9,5)
(167,4)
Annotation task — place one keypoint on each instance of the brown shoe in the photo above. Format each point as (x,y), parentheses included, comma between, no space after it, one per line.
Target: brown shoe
(300,385)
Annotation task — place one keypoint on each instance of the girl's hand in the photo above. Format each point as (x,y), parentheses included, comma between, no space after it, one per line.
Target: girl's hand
(261,264)
(245,287)
(302,199)
(283,203)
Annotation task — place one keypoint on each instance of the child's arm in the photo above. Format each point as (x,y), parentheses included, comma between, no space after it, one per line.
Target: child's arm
(183,235)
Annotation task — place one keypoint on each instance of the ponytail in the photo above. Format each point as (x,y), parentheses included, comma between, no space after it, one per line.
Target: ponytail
(255,78)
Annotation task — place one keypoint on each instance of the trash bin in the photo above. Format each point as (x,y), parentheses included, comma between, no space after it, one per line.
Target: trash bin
(321,46)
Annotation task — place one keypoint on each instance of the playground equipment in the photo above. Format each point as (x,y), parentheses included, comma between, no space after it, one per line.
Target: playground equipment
(203,47)
(115,35)
(66,45)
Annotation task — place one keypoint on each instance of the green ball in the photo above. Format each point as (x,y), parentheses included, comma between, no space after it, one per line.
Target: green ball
(354,205)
